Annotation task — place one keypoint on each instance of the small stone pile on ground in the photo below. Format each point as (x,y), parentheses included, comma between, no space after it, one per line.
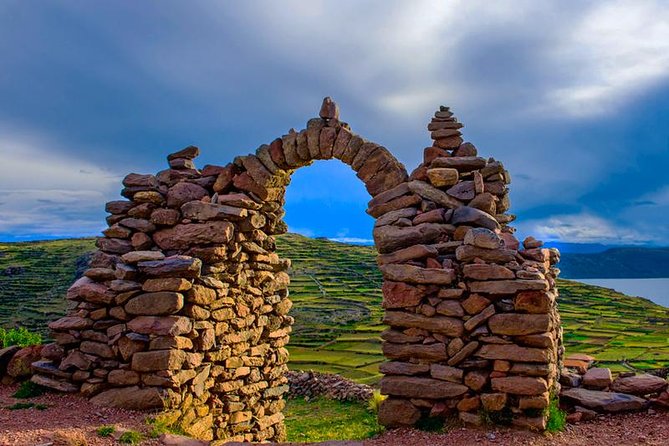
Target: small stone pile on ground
(587,391)
(329,385)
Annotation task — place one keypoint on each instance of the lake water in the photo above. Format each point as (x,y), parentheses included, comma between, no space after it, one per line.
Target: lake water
(656,290)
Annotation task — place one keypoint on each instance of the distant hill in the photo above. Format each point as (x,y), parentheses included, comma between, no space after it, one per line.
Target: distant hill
(614,263)
(335,289)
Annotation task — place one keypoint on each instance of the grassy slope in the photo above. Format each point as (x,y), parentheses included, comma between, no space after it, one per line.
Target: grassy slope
(335,289)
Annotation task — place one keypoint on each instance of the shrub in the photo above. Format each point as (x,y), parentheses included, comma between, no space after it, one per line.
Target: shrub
(28,389)
(105,431)
(160,425)
(556,417)
(130,437)
(375,401)
(19,336)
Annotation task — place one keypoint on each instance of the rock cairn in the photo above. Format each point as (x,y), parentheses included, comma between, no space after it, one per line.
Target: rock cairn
(472,313)
(328,385)
(185,306)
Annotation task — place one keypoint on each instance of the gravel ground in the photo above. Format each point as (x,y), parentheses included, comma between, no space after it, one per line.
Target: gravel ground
(66,414)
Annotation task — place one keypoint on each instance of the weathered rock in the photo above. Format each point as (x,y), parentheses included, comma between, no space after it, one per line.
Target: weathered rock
(414,387)
(482,271)
(511,352)
(493,402)
(184,192)
(184,236)
(446,373)
(396,412)
(54,384)
(392,238)
(162,326)
(403,368)
(415,274)
(483,238)
(174,266)
(158,360)
(441,177)
(462,164)
(643,384)
(19,365)
(533,301)
(431,193)
(433,352)
(133,398)
(520,385)
(507,286)
(604,401)
(466,215)
(464,353)
(519,324)
(199,211)
(401,295)
(467,253)
(597,378)
(6,355)
(411,253)
(155,304)
(437,324)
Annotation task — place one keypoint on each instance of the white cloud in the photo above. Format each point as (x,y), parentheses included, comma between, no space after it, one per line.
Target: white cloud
(615,51)
(581,228)
(45,192)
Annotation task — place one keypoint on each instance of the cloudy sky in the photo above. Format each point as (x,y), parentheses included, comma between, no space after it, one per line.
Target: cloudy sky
(572,96)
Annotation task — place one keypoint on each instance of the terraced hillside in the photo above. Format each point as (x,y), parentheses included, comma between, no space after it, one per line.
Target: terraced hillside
(337,306)
(34,277)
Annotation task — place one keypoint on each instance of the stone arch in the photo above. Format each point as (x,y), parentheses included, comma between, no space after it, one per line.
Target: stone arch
(185,306)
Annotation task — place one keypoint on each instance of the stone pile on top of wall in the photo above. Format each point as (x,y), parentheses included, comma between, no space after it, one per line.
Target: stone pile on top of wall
(472,313)
(185,305)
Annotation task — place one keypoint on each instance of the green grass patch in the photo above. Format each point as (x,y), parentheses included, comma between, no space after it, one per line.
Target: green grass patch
(23,406)
(105,431)
(130,437)
(323,420)
(29,389)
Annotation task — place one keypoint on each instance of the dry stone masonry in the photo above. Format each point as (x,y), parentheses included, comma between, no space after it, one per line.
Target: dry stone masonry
(185,306)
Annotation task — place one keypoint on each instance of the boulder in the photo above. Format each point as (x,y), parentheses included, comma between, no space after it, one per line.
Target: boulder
(511,352)
(507,286)
(483,271)
(406,254)
(161,326)
(20,364)
(443,176)
(462,164)
(431,193)
(397,412)
(483,238)
(184,192)
(604,401)
(597,378)
(643,384)
(132,398)
(6,355)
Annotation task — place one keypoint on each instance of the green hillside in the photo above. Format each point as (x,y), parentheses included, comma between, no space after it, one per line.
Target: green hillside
(337,306)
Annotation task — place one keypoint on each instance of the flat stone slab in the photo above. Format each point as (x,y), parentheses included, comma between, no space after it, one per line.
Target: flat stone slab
(640,384)
(604,401)
(597,378)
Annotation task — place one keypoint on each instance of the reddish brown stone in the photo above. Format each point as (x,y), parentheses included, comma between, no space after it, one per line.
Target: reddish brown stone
(401,295)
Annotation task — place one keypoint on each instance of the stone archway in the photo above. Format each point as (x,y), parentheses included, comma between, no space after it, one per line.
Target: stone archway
(185,306)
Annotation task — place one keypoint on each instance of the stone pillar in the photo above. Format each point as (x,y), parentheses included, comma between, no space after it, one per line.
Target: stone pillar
(474,327)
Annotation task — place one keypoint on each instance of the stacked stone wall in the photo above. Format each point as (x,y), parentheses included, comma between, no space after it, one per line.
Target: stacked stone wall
(185,306)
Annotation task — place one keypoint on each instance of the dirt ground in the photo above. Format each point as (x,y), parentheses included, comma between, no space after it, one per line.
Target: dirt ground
(618,430)
(67,415)
(74,416)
